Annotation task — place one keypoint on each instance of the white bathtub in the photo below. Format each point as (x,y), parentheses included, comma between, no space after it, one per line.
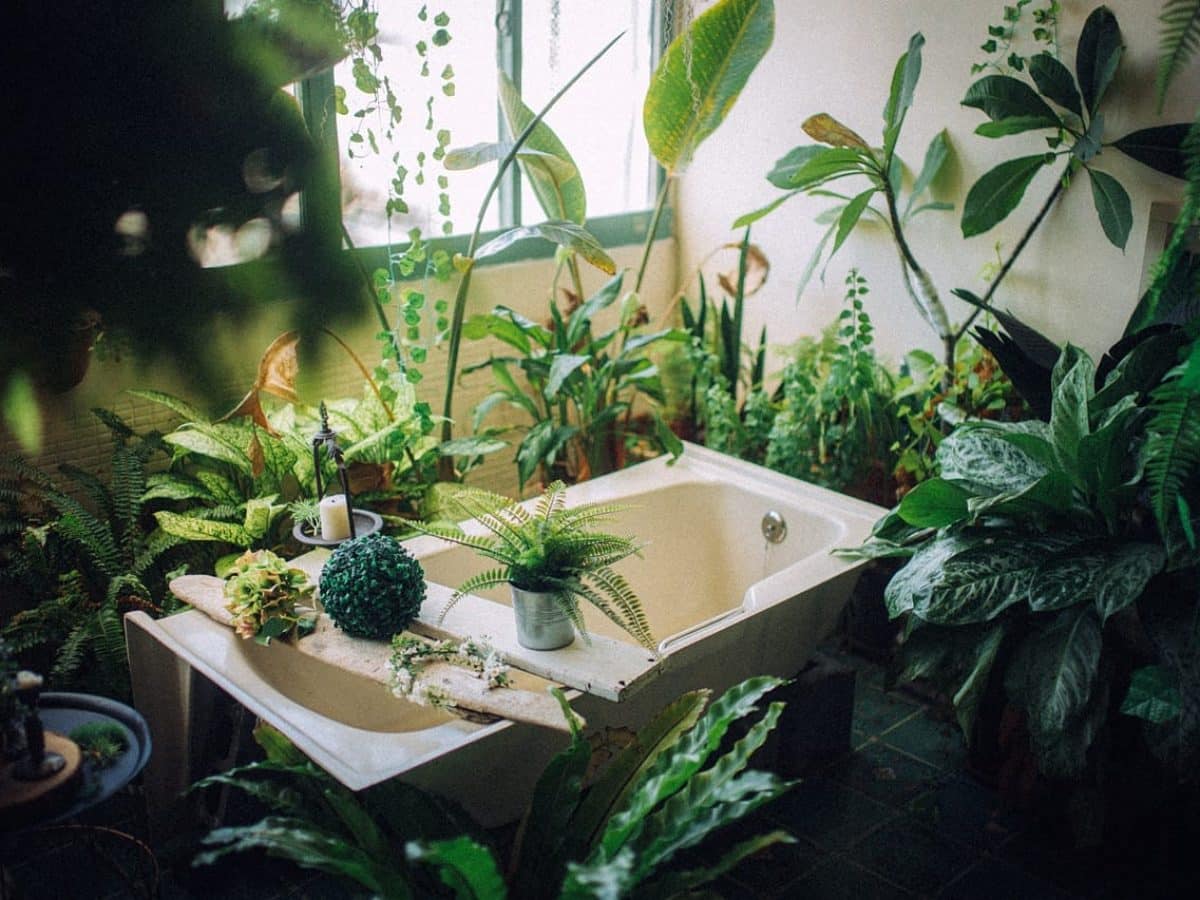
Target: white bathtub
(723,603)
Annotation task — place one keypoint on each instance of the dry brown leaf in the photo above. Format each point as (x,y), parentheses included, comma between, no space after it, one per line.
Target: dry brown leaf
(258,461)
(757,269)
(277,370)
(828,130)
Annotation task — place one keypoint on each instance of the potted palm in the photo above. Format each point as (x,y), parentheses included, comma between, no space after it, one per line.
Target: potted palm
(551,557)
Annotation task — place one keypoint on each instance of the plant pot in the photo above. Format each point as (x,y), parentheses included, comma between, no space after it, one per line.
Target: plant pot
(542,624)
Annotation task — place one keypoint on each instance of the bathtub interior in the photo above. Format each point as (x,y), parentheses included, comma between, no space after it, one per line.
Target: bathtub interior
(703,551)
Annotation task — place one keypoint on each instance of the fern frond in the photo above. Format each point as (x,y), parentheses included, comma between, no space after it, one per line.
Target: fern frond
(489,501)
(618,590)
(126,586)
(479,582)
(587,514)
(89,535)
(117,427)
(73,651)
(1179,40)
(1172,449)
(110,644)
(128,484)
(92,486)
(552,501)
(157,545)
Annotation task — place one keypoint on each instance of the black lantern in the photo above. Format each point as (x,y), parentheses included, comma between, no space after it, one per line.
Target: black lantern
(361,521)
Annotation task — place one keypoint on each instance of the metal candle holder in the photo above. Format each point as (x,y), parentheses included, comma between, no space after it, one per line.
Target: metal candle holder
(362,521)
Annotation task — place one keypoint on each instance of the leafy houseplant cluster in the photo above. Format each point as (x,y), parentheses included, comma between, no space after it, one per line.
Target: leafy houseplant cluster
(553,550)
(622,834)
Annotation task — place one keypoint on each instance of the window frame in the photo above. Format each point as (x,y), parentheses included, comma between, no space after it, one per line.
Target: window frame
(316,97)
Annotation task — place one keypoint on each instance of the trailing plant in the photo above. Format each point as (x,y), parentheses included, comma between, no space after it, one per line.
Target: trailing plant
(838,425)
(74,566)
(268,598)
(553,549)
(580,386)
(1030,553)
(622,835)
(1065,105)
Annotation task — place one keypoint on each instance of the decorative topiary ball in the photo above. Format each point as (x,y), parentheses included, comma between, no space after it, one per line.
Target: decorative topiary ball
(372,587)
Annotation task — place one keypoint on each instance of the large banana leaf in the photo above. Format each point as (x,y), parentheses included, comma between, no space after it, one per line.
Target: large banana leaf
(701,75)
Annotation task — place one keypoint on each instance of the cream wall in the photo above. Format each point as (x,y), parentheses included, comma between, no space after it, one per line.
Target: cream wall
(73,435)
(838,58)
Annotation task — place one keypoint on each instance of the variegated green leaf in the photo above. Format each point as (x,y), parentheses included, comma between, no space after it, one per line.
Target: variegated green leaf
(193,529)
(1053,673)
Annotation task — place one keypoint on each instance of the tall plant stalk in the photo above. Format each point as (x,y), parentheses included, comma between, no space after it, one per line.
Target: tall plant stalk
(446,465)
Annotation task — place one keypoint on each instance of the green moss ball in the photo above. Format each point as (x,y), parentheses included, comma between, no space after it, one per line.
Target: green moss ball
(372,587)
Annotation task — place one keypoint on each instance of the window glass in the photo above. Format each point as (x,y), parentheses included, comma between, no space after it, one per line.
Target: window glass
(600,118)
(439,61)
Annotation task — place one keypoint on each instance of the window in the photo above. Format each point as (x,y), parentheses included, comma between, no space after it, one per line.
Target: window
(439,62)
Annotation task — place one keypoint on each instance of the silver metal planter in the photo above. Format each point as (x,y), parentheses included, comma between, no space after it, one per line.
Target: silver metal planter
(541,622)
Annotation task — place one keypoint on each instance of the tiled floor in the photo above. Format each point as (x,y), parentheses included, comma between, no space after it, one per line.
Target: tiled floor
(895,818)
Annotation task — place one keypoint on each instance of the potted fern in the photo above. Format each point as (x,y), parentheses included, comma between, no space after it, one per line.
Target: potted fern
(551,558)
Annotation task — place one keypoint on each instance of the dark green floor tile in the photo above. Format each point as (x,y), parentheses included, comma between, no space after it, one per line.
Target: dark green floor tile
(886,774)
(907,854)
(876,711)
(994,879)
(327,887)
(105,864)
(829,814)
(937,743)
(965,812)
(777,865)
(840,879)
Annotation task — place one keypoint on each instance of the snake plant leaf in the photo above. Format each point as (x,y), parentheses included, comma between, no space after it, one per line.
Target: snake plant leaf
(1160,148)
(701,75)
(904,84)
(935,503)
(1055,669)
(997,193)
(468,868)
(1002,97)
(1153,694)
(558,188)
(1055,81)
(1097,56)
(565,234)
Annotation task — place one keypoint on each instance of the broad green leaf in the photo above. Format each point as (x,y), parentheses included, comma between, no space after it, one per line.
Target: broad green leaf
(206,442)
(581,319)
(1055,81)
(989,457)
(1054,671)
(681,883)
(935,503)
(959,579)
(541,444)
(1050,495)
(808,167)
(936,155)
(469,869)
(474,445)
(1102,573)
(559,189)
(1153,695)
(971,692)
(849,218)
(1003,97)
(565,234)
(258,516)
(1113,207)
(464,158)
(701,75)
(1089,145)
(193,529)
(169,486)
(562,367)
(1097,56)
(751,217)
(1160,147)
(224,491)
(900,97)
(997,193)
(1013,125)
(1072,385)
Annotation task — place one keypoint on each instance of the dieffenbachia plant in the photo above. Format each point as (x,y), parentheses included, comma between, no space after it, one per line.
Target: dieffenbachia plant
(1054,100)
(1038,540)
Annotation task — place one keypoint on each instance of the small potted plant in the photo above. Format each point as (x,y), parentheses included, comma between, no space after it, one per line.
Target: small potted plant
(268,598)
(551,558)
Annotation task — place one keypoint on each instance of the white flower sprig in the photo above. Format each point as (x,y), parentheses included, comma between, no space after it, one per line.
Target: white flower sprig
(410,654)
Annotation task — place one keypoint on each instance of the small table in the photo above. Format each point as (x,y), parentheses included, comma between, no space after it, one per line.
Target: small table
(63,713)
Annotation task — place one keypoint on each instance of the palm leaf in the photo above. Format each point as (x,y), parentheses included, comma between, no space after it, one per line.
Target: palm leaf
(1178,42)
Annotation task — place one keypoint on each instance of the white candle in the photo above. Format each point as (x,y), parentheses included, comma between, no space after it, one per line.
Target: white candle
(335,518)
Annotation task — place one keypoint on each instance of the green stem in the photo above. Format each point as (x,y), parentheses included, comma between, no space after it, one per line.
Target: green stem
(658,208)
(369,283)
(446,466)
